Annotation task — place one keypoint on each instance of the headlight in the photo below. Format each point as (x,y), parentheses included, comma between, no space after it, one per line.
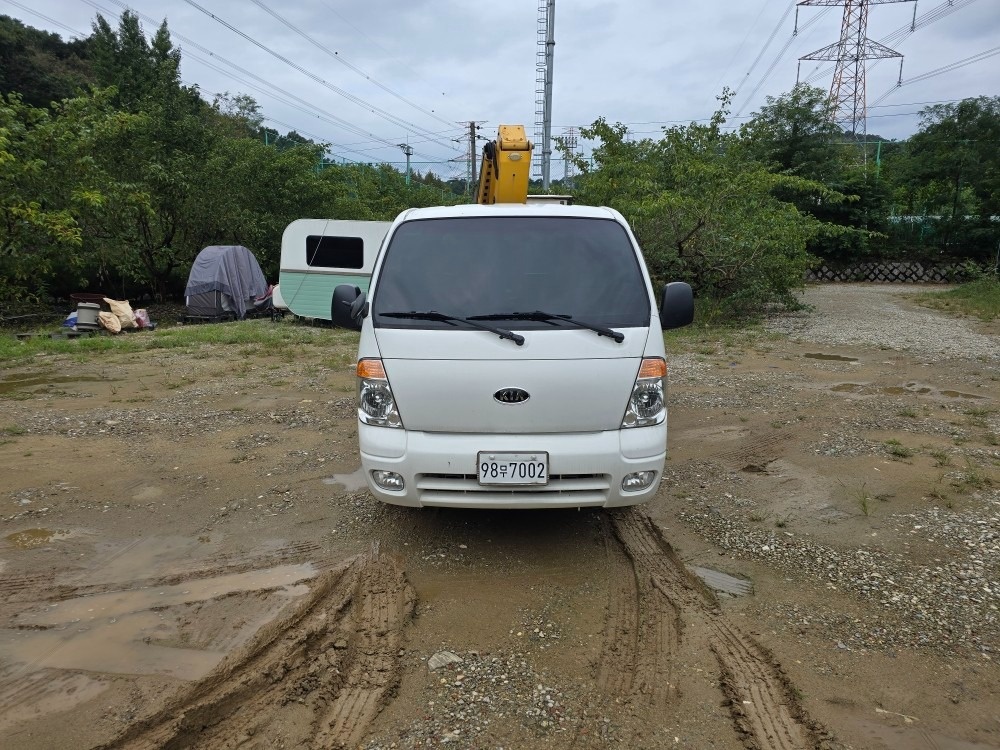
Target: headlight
(376,406)
(646,404)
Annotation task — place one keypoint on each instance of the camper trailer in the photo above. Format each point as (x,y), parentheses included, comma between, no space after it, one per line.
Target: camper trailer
(317,255)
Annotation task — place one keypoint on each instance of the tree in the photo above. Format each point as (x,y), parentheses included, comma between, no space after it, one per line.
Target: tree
(794,134)
(48,178)
(149,162)
(248,192)
(238,115)
(704,209)
(39,66)
(954,174)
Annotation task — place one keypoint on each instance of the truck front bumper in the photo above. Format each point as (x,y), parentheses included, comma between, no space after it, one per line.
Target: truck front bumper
(585,469)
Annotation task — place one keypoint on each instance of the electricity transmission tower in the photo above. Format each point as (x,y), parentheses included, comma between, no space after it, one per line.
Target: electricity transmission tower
(569,143)
(544,56)
(847,91)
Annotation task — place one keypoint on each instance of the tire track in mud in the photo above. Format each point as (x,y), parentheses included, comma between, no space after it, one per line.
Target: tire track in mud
(315,677)
(757,448)
(654,601)
(641,639)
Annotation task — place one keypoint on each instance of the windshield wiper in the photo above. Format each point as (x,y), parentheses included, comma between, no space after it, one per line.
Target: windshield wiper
(445,318)
(544,317)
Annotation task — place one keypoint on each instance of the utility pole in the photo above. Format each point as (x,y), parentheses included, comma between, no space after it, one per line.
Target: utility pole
(470,170)
(408,150)
(847,91)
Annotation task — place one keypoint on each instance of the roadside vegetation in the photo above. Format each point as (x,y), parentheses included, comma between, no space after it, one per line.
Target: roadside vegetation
(979,298)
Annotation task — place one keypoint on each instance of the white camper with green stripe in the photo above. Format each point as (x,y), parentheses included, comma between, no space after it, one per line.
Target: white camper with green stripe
(317,255)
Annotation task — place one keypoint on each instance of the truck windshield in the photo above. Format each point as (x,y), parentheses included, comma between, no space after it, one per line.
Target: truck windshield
(492,266)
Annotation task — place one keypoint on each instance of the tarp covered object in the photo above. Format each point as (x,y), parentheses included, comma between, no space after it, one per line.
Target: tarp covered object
(231,270)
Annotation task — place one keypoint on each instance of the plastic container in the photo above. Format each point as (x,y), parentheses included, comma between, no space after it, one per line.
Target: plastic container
(86,316)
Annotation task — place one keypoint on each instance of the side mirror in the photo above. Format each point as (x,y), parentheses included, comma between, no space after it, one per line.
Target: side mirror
(676,305)
(349,306)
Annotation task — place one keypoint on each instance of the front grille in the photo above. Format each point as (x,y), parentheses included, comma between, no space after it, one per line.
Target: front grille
(584,485)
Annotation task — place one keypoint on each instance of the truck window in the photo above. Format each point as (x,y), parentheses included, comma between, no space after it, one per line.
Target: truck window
(575,266)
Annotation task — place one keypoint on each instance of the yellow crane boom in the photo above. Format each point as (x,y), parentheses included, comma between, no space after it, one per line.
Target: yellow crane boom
(506,167)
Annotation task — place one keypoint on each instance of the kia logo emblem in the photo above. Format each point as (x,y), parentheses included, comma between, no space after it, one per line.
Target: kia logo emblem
(511,396)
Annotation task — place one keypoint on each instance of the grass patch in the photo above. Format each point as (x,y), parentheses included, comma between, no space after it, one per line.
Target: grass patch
(897,449)
(978,416)
(862,498)
(971,479)
(980,298)
(708,336)
(257,338)
(941,458)
(12,430)
(17,395)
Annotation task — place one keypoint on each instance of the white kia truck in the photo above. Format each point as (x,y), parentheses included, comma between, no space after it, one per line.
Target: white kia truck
(511,356)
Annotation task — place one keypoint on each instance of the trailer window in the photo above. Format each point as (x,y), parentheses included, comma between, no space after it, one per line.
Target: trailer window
(334,252)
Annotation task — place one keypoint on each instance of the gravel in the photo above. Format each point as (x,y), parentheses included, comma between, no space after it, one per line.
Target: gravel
(852,314)
(931,578)
(470,704)
(950,603)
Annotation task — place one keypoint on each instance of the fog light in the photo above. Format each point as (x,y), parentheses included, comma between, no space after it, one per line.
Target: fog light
(387,480)
(637,480)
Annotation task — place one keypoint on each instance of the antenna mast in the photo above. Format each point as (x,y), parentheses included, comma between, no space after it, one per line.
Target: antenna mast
(544,56)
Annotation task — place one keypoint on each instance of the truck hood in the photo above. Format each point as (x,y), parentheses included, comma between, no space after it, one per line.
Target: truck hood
(446,381)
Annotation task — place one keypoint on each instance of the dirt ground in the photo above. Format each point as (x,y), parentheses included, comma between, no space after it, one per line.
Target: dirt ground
(188,559)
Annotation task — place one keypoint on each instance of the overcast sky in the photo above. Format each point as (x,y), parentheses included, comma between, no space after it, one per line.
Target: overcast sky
(415,70)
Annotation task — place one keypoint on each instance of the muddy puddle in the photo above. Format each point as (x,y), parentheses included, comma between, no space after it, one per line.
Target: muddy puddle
(146,631)
(829,357)
(911,737)
(35,538)
(146,557)
(902,390)
(115,604)
(46,692)
(7,385)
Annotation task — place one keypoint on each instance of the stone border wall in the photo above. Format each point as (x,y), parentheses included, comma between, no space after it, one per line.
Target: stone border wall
(891,273)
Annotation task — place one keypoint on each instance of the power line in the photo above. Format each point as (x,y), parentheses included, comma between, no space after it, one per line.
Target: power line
(318,113)
(770,39)
(408,126)
(190,42)
(53,21)
(339,58)
(943,69)
(322,114)
(289,127)
(739,49)
(777,59)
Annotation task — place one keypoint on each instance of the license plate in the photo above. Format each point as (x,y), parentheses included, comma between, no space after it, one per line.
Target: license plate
(513,468)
